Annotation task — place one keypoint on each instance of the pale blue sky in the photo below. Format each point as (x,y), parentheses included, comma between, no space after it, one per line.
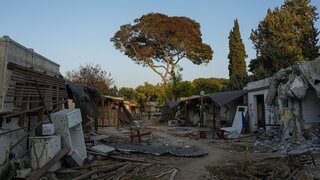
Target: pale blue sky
(74,32)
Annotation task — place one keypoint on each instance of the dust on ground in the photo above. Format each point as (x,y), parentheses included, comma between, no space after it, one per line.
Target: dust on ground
(226,159)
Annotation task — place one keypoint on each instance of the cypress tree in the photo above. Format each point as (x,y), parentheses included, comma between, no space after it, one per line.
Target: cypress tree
(237,56)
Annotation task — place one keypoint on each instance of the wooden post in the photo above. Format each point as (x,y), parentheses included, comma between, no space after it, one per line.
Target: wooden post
(186,111)
(108,112)
(102,119)
(214,116)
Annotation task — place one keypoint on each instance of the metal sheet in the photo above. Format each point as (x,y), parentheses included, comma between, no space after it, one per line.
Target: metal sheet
(187,151)
(103,148)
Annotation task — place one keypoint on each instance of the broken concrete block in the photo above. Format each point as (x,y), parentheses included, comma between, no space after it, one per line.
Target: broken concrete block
(298,87)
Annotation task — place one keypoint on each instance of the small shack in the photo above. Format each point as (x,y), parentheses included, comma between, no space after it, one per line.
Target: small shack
(218,109)
(114,112)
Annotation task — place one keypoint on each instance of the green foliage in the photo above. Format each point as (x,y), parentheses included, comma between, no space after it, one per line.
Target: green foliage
(286,35)
(210,85)
(237,55)
(113,91)
(128,93)
(143,93)
(183,89)
(91,75)
(146,91)
(159,41)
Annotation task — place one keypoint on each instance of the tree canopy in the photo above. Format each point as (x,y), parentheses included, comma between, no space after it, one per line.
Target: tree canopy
(210,85)
(159,42)
(237,56)
(287,34)
(91,75)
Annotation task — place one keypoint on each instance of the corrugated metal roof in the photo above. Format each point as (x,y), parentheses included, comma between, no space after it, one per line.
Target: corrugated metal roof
(223,98)
(188,151)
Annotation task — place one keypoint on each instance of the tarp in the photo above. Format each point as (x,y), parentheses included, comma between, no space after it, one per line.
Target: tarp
(172,104)
(223,98)
(87,99)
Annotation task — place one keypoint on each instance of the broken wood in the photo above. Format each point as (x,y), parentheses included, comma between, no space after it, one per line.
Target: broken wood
(42,100)
(108,171)
(118,157)
(174,173)
(86,175)
(167,172)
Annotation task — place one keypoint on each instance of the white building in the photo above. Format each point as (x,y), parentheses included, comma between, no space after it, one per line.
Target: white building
(257,94)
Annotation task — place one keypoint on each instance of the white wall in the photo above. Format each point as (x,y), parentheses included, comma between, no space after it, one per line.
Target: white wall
(252,108)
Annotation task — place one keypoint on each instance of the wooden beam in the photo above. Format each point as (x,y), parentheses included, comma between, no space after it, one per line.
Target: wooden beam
(24,107)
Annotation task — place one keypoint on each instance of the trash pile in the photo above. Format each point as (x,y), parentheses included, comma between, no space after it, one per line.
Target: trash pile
(128,161)
(69,153)
(269,142)
(122,166)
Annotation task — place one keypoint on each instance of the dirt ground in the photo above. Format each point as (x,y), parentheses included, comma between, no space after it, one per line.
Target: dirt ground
(220,152)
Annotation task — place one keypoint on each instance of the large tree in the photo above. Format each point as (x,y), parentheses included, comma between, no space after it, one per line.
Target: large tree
(128,93)
(237,56)
(287,34)
(159,41)
(149,92)
(91,75)
(210,85)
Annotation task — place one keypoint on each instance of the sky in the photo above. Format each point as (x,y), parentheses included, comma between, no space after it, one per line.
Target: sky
(76,32)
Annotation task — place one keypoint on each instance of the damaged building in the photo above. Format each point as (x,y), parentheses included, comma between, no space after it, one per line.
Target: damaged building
(294,98)
(257,95)
(31,88)
(218,109)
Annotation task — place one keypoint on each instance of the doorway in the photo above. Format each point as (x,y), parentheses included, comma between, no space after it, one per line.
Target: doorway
(260,112)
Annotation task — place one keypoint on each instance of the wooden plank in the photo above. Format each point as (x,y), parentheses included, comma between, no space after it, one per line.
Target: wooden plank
(30,110)
(22,116)
(48,165)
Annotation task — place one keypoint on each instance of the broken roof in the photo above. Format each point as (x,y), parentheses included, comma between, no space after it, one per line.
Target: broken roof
(223,98)
(172,104)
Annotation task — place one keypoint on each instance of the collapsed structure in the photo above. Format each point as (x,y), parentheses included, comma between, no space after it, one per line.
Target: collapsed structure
(31,87)
(290,100)
(294,98)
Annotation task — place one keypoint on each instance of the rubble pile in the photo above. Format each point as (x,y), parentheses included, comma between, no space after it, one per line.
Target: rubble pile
(290,167)
(125,167)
